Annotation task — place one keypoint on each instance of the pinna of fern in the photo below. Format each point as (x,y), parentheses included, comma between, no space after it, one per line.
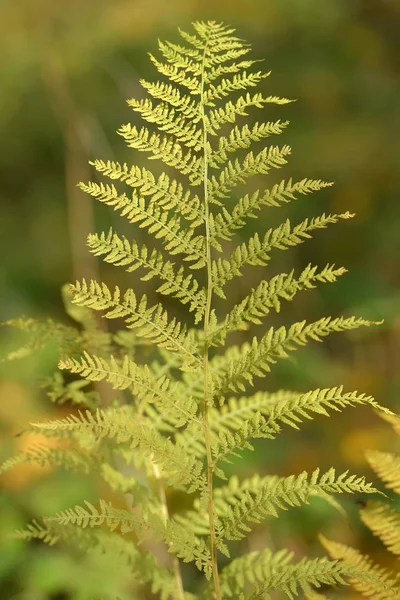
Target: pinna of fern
(384,522)
(182,419)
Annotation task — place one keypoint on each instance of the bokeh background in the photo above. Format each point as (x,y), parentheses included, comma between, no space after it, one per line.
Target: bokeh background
(66,69)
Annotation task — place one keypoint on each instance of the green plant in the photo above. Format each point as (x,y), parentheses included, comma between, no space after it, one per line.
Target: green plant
(185,418)
(384,522)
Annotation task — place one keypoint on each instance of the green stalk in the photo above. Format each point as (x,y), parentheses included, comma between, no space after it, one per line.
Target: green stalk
(207,436)
(164,507)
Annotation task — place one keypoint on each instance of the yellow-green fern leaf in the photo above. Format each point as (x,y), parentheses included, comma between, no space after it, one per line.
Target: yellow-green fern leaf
(239,172)
(151,322)
(256,252)
(244,137)
(155,219)
(177,466)
(42,455)
(256,359)
(120,251)
(369,579)
(387,466)
(271,494)
(166,148)
(268,295)
(139,379)
(167,192)
(225,224)
(266,571)
(384,522)
(228,113)
(169,120)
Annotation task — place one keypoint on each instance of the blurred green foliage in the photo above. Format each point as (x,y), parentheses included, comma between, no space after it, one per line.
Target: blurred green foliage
(67,69)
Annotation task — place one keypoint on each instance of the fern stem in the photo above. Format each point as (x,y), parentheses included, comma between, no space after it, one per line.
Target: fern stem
(207,436)
(164,507)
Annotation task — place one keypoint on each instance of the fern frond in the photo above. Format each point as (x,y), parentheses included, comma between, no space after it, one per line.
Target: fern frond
(384,522)
(174,97)
(167,120)
(266,571)
(256,252)
(71,459)
(139,379)
(228,443)
(90,516)
(216,118)
(239,81)
(159,222)
(190,548)
(225,224)
(179,75)
(180,56)
(387,467)
(179,468)
(282,407)
(167,192)
(222,68)
(243,137)
(368,578)
(255,359)
(268,296)
(273,493)
(68,339)
(152,322)
(49,533)
(239,172)
(120,252)
(165,148)
(61,392)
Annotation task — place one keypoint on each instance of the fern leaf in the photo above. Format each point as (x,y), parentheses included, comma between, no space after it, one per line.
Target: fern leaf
(50,534)
(255,359)
(165,148)
(225,224)
(268,296)
(384,522)
(266,571)
(256,252)
(173,96)
(158,221)
(120,252)
(243,137)
(387,467)
(282,407)
(227,443)
(368,578)
(178,75)
(186,545)
(239,81)
(215,119)
(239,172)
(68,339)
(90,516)
(144,566)
(44,455)
(167,120)
(167,192)
(140,381)
(152,322)
(178,467)
(273,493)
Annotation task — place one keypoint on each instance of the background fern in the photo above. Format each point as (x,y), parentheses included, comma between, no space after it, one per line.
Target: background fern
(384,522)
(229,371)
